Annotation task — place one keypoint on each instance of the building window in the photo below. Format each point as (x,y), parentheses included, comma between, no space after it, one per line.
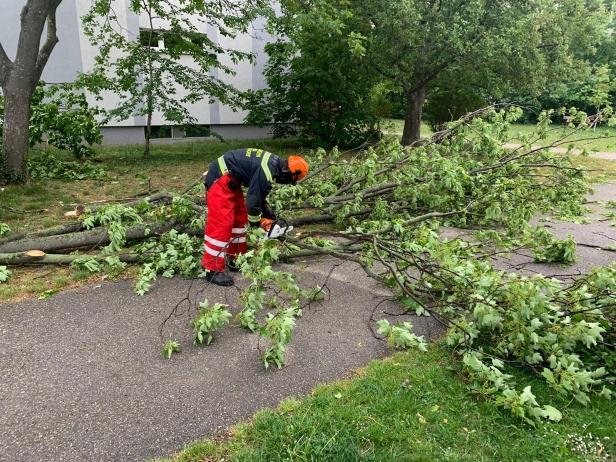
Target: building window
(173,42)
(152,38)
(160,131)
(197,131)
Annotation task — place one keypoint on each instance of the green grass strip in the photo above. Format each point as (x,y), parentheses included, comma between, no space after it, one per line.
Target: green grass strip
(411,407)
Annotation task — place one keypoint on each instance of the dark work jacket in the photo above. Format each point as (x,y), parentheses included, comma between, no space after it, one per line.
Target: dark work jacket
(254,169)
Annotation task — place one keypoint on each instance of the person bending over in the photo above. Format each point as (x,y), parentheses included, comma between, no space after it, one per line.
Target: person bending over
(228,212)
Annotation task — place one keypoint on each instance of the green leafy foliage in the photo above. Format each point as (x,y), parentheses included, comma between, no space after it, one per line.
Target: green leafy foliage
(318,82)
(115,218)
(170,347)
(401,335)
(89,264)
(5,229)
(209,319)
(557,251)
(173,253)
(499,322)
(167,69)
(279,329)
(535,322)
(47,165)
(257,266)
(393,202)
(332,57)
(61,117)
(5,274)
(114,266)
(111,265)
(494,381)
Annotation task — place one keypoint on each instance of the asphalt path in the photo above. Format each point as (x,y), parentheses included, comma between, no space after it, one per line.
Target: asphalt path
(82,378)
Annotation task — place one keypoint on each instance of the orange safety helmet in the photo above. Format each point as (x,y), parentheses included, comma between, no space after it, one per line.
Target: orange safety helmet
(298,167)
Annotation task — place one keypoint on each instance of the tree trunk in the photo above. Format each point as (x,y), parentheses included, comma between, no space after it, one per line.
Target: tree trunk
(19,79)
(15,132)
(412,123)
(148,136)
(150,96)
(97,237)
(19,258)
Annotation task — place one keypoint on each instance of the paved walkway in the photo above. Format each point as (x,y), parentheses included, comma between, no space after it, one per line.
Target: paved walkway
(82,378)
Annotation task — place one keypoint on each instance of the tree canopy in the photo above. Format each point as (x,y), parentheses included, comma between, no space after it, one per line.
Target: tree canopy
(174,62)
(483,50)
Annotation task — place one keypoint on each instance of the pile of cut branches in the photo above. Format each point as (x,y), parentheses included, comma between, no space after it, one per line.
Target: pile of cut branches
(384,208)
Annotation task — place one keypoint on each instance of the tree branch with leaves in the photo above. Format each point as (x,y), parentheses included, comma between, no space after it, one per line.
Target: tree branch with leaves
(171,79)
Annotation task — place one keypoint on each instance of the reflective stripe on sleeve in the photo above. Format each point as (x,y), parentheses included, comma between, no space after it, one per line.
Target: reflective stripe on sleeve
(216,242)
(254,218)
(222,164)
(265,167)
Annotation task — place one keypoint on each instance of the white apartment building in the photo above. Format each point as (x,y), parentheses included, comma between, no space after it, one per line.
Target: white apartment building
(74,54)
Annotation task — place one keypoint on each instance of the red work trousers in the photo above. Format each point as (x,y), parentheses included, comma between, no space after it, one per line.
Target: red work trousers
(226,225)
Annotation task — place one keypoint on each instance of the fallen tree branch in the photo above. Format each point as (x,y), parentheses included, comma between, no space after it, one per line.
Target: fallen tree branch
(55,231)
(41,258)
(97,237)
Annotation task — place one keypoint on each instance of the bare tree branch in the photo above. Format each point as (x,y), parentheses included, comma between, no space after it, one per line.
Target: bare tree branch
(5,65)
(52,39)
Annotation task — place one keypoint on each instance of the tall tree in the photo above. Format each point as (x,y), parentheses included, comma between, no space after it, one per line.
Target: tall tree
(318,83)
(19,78)
(523,43)
(475,50)
(170,64)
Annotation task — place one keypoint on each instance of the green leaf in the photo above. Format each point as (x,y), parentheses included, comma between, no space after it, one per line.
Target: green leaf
(48,294)
(552,413)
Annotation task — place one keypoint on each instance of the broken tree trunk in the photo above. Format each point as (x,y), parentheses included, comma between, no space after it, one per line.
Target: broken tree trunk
(92,238)
(55,231)
(75,227)
(38,257)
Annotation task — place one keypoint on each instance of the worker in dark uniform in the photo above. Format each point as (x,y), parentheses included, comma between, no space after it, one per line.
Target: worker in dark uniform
(228,213)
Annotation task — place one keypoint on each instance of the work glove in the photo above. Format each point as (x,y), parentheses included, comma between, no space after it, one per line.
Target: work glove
(266,224)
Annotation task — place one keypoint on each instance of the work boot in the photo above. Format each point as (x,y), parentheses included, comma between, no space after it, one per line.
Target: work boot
(219,278)
(233,266)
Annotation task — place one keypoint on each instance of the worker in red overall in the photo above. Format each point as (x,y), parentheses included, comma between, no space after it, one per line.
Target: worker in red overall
(228,213)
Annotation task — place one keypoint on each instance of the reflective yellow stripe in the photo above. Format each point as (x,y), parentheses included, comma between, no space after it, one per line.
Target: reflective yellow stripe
(256,152)
(254,218)
(265,167)
(222,164)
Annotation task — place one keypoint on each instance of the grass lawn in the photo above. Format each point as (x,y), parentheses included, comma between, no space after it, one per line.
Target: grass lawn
(411,407)
(605,143)
(42,203)
(169,168)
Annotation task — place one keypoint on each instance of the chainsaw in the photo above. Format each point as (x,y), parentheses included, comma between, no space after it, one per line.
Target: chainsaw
(280,228)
